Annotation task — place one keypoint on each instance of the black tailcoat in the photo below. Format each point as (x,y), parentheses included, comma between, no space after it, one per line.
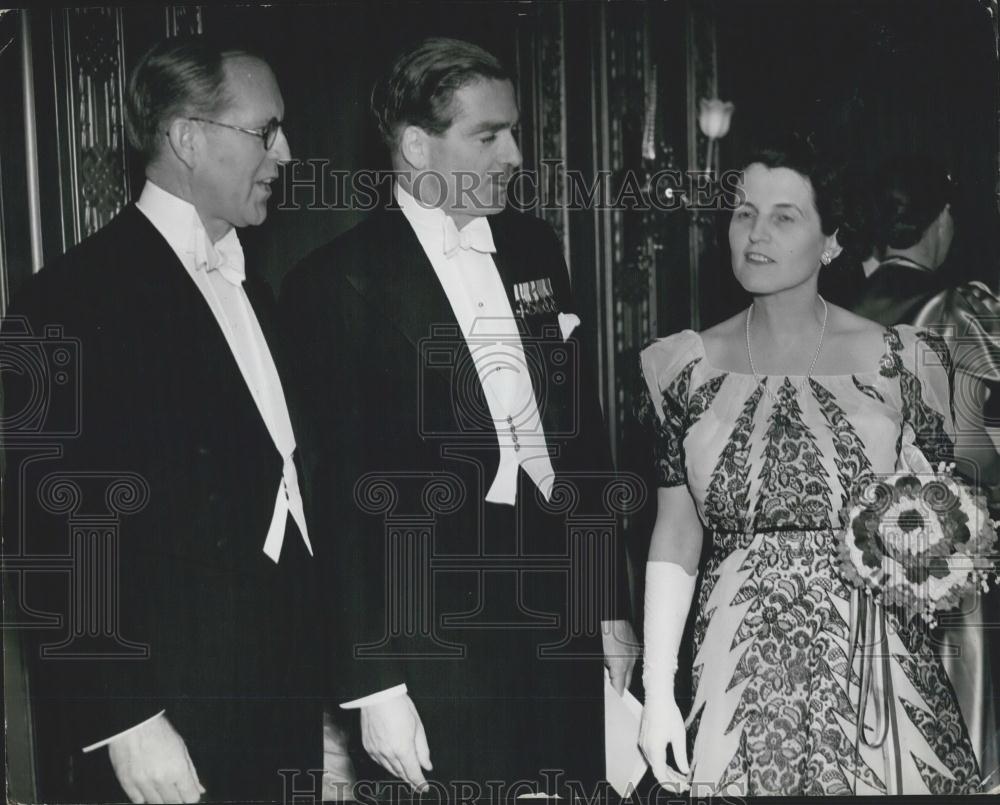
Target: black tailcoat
(232,638)
(489,613)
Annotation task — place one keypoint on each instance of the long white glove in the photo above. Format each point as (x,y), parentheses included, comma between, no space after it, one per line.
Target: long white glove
(669,590)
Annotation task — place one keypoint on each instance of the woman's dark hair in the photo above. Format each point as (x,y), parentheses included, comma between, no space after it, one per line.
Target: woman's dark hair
(799,155)
(420,85)
(831,191)
(174,78)
(909,193)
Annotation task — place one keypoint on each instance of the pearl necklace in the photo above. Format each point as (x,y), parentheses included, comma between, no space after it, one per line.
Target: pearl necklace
(819,346)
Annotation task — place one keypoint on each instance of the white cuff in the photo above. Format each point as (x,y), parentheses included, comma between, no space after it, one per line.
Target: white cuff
(375,698)
(121,734)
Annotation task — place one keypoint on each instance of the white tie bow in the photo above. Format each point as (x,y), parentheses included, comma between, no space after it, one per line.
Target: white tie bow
(475,235)
(224,256)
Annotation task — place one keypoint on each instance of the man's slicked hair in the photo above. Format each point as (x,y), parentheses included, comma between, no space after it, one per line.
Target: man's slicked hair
(420,86)
(184,76)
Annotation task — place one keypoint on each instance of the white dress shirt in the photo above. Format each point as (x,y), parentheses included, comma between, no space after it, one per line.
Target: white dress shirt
(463,262)
(217,270)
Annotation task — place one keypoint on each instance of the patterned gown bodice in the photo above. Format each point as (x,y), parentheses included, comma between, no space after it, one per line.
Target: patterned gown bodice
(756,462)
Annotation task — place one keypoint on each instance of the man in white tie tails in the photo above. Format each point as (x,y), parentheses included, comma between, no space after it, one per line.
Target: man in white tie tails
(180,385)
(452,437)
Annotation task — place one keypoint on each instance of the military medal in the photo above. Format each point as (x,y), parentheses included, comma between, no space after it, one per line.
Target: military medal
(534,297)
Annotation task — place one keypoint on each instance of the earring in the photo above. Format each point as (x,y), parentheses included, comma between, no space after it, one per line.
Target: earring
(825,258)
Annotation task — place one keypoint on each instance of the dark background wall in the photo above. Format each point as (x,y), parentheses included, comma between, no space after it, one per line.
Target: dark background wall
(326,58)
(870,77)
(868,80)
(865,78)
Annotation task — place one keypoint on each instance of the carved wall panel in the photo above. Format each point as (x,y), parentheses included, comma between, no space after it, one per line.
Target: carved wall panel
(89,85)
(8,55)
(703,82)
(552,114)
(89,77)
(183,20)
(541,77)
(4,290)
(629,284)
(614,76)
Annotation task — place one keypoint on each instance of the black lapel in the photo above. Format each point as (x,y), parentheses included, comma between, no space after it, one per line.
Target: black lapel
(516,262)
(177,312)
(506,257)
(400,280)
(518,259)
(262,302)
(395,276)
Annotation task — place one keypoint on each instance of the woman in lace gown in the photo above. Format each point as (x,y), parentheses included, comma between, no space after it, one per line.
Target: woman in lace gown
(763,426)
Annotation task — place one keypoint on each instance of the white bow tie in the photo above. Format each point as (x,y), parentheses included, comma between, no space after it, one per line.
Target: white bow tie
(475,235)
(225,256)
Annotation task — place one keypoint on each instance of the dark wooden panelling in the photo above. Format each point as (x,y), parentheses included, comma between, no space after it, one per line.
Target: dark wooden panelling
(16,233)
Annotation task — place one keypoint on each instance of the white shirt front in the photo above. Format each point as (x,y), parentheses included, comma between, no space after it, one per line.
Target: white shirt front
(209,265)
(217,270)
(482,308)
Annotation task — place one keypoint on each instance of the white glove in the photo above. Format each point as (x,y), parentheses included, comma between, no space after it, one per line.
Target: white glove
(669,590)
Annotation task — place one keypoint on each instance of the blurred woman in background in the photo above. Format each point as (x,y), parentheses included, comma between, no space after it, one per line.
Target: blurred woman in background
(912,224)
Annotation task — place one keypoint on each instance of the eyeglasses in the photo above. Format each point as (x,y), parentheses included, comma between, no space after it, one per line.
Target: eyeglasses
(268,134)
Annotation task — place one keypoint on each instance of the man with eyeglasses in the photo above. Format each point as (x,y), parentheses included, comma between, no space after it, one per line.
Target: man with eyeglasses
(180,388)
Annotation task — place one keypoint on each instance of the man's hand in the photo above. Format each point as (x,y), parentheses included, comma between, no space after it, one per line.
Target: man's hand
(392,733)
(621,647)
(153,765)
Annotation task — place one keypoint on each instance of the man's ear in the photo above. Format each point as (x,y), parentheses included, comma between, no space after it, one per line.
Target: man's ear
(184,138)
(413,147)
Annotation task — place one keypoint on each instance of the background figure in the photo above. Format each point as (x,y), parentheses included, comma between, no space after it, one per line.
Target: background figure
(913,224)
(762,426)
(205,683)
(840,281)
(435,344)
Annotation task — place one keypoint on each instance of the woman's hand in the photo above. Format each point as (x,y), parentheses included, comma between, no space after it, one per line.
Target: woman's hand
(662,726)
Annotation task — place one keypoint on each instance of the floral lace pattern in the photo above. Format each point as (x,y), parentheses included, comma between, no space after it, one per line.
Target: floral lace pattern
(667,435)
(792,670)
(794,488)
(944,730)
(852,464)
(727,498)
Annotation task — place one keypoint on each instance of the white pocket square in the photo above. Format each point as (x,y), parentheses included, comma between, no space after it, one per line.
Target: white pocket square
(568,322)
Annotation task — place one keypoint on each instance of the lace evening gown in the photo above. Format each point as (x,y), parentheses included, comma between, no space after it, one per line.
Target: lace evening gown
(774,711)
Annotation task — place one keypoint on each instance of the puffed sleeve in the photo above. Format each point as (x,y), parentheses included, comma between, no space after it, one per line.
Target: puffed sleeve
(661,406)
(968,317)
(926,393)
